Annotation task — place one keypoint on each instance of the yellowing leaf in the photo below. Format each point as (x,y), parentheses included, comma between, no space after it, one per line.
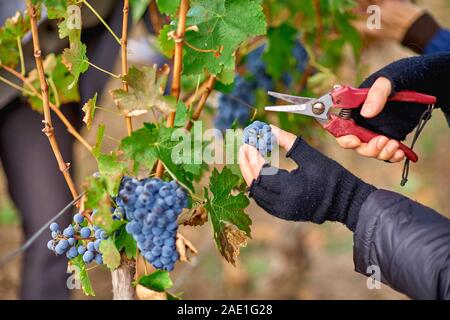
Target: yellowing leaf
(89,111)
(146,87)
(110,254)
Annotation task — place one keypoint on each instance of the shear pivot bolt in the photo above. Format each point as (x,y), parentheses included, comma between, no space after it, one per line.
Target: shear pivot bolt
(318,108)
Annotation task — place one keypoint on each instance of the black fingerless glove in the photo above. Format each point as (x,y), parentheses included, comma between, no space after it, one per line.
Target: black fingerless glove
(319,190)
(429,74)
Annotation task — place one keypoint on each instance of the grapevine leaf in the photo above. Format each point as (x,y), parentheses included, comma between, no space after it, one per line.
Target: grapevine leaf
(60,78)
(181,115)
(146,86)
(196,216)
(76,60)
(138,8)
(222,26)
(56,8)
(279,49)
(140,147)
(125,241)
(231,225)
(97,199)
(110,254)
(13,29)
(150,143)
(158,281)
(89,111)
(82,275)
(168,7)
(98,143)
(112,170)
(166,44)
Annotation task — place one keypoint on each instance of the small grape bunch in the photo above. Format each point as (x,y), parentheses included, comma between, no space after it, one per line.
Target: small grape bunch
(152,207)
(259,135)
(77,239)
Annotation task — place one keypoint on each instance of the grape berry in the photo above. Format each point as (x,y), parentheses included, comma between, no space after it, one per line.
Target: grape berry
(77,239)
(152,207)
(259,135)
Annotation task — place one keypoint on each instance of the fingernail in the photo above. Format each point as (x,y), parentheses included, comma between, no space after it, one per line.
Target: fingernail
(367,110)
(391,146)
(381,142)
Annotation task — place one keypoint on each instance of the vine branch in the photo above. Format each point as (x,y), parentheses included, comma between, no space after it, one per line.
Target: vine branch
(177,68)
(201,103)
(123,47)
(33,91)
(48,128)
(155,18)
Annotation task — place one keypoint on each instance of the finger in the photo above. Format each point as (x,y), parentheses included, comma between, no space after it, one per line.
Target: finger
(255,160)
(376,98)
(284,139)
(349,142)
(389,150)
(373,148)
(398,156)
(244,165)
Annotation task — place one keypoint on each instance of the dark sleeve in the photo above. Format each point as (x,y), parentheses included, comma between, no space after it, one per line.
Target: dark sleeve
(429,74)
(409,242)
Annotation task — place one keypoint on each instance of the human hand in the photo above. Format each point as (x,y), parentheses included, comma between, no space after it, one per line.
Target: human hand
(397,16)
(380,147)
(318,190)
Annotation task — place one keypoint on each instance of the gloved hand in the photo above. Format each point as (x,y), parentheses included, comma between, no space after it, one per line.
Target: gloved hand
(426,74)
(319,190)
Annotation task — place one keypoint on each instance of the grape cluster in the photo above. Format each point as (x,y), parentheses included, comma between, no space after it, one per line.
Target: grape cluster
(237,105)
(77,239)
(259,135)
(257,67)
(152,207)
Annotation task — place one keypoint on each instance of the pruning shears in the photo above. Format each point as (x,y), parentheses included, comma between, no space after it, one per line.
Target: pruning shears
(346,98)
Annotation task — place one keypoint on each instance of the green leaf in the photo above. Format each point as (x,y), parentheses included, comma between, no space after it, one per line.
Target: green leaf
(222,26)
(56,8)
(145,92)
(158,281)
(138,8)
(279,49)
(231,225)
(140,147)
(97,199)
(168,7)
(82,275)
(166,44)
(14,28)
(150,143)
(110,254)
(76,60)
(89,111)
(111,169)
(57,74)
(181,115)
(125,241)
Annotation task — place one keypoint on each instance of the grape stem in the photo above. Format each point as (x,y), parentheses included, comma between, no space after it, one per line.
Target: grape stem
(155,18)
(201,103)
(32,91)
(177,69)
(101,20)
(48,127)
(22,60)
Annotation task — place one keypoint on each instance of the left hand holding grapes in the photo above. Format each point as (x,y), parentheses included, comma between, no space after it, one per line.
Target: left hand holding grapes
(319,190)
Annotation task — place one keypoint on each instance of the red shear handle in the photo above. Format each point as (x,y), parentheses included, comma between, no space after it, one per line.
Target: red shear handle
(341,127)
(350,98)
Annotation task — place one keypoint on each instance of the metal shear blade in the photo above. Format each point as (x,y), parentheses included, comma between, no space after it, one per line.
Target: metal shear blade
(301,105)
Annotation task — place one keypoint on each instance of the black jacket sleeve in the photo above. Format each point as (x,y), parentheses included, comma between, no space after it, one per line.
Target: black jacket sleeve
(409,242)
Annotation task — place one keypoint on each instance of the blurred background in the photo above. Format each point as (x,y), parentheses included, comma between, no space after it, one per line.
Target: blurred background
(283,260)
